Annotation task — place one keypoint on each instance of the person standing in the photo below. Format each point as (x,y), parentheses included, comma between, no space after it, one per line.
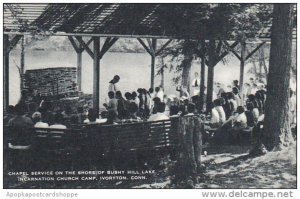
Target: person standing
(196,84)
(112,84)
(159,93)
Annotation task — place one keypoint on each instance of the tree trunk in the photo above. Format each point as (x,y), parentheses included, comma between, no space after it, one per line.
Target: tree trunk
(260,58)
(277,125)
(254,67)
(22,63)
(210,74)
(188,164)
(162,83)
(264,64)
(210,88)
(242,65)
(186,70)
(5,72)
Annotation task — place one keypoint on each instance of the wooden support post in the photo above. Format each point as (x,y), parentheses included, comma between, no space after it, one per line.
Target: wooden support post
(96,74)
(79,49)
(5,72)
(210,74)
(242,65)
(79,67)
(153,49)
(202,83)
(153,52)
(202,75)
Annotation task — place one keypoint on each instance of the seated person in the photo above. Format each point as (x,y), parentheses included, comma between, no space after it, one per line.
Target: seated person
(133,109)
(182,109)
(93,117)
(191,109)
(10,113)
(112,104)
(232,101)
(134,98)
(160,115)
(156,102)
(21,129)
(252,99)
(236,96)
(121,107)
(58,122)
(174,111)
(240,121)
(111,118)
(37,120)
(258,96)
(80,115)
(220,110)
(227,106)
(251,119)
(215,118)
(74,119)
(128,96)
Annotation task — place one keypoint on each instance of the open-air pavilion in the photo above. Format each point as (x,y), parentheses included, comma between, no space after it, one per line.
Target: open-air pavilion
(145,22)
(90,146)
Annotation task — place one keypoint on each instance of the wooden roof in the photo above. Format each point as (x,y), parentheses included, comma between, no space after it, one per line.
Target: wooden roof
(119,20)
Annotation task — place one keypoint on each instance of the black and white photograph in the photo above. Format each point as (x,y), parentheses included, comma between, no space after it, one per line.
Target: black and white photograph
(149,96)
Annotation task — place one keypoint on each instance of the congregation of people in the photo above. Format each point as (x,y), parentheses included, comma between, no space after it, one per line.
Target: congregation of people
(230,108)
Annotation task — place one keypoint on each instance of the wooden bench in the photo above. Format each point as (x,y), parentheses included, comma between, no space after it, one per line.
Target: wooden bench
(126,141)
(88,143)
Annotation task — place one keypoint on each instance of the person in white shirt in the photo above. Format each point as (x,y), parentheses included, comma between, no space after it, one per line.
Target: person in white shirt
(113,84)
(160,115)
(240,121)
(231,100)
(214,121)
(58,122)
(150,99)
(159,93)
(246,91)
(37,120)
(220,89)
(220,110)
(228,88)
(196,84)
(183,92)
(237,97)
(254,89)
(215,118)
(134,98)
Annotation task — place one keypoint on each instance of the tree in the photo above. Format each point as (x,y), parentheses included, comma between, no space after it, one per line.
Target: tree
(21,67)
(182,53)
(277,126)
(161,71)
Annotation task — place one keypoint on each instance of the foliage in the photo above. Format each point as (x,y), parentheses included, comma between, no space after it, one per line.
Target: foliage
(229,21)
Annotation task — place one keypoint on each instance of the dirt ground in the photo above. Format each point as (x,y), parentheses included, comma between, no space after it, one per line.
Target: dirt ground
(226,167)
(231,167)
(235,170)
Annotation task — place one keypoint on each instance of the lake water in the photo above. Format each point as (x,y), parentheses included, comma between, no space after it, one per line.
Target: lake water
(133,68)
